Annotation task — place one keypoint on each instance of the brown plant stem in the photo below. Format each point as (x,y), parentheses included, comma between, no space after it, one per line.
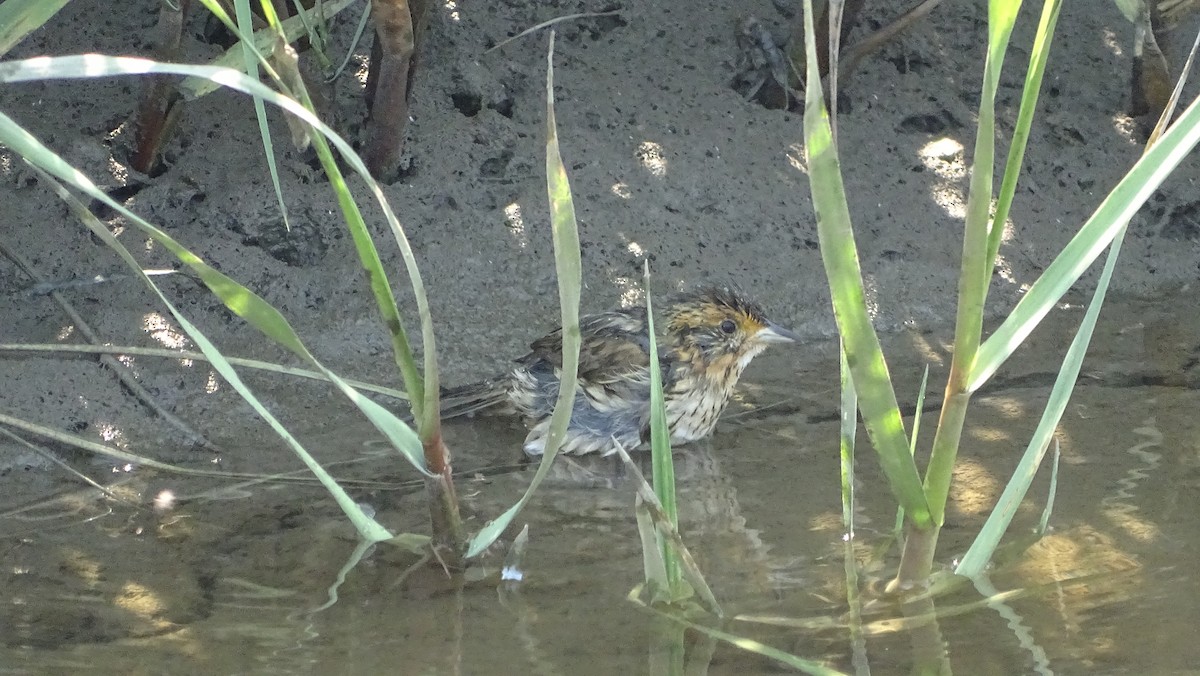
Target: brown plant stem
(161,105)
(398,26)
(449,540)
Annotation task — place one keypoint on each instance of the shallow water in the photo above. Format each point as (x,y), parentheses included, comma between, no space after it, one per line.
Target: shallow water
(236,578)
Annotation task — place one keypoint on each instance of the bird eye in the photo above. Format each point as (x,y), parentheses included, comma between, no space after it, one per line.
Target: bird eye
(728,326)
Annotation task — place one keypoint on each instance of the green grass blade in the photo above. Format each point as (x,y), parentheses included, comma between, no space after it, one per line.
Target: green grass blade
(236,297)
(263,42)
(1016,151)
(367,527)
(877,398)
(912,442)
(660,453)
(19,18)
(848,429)
(1096,234)
(975,268)
(654,567)
(359,30)
(95,65)
(980,552)
(250,67)
(569,266)
(848,432)
(662,530)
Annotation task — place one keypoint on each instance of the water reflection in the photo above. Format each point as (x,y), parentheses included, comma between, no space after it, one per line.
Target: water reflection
(238,580)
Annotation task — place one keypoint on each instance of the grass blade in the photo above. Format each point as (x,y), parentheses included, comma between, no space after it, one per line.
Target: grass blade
(848,430)
(264,41)
(569,267)
(367,527)
(877,398)
(19,18)
(1097,233)
(95,65)
(660,454)
(1044,523)
(667,533)
(1016,151)
(980,552)
(973,278)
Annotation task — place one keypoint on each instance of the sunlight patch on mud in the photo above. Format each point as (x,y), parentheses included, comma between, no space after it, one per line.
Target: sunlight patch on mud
(515,221)
(652,158)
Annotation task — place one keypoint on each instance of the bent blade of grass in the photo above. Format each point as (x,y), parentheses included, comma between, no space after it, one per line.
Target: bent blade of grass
(877,398)
(236,297)
(368,528)
(97,65)
(569,268)
(1100,230)
(19,18)
(666,532)
(97,448)
(975,560)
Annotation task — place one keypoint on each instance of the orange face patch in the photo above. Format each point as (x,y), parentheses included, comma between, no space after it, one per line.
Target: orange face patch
(710,315)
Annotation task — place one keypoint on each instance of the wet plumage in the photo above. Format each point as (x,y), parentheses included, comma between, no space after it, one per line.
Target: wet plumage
(708,337)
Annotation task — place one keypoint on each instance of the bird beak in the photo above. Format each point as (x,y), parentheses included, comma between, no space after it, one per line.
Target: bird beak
(774,333)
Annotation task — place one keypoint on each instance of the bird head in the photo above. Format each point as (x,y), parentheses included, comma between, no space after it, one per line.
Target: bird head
(719,324)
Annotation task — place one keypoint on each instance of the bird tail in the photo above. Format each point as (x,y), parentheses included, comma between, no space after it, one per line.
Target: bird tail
(487,397)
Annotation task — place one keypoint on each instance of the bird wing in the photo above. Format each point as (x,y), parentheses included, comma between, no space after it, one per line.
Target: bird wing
(614,348)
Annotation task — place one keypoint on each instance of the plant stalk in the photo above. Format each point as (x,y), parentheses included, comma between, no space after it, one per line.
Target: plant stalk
(449,538)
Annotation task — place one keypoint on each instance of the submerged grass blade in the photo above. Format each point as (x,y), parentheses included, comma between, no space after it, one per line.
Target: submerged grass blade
(848,429)
(749,645)
(1052,492)
(569,266)
(975,560)
(877,398)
